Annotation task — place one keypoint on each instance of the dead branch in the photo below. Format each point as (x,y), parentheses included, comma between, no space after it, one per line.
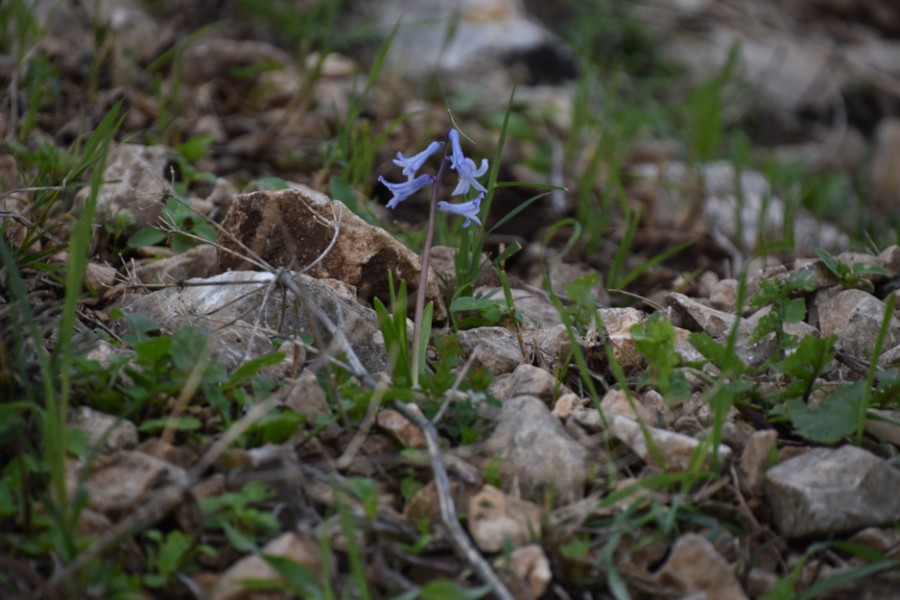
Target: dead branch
(458,538)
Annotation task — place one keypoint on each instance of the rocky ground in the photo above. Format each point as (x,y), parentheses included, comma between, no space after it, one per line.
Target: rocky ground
(665,366)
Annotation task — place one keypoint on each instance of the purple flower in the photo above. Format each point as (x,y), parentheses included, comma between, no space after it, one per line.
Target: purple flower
(465,167)
(412,164)
(404,190)
(469,209)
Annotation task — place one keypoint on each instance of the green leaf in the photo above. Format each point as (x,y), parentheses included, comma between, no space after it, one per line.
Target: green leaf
(444,589)
(300,578)
(181,424)
(794,310)
(151,350)
(809,358)
(238,539)
(278,427)
(253,366)
(716,353)
(173,551)
(146,236)
(188,345)
(835,418)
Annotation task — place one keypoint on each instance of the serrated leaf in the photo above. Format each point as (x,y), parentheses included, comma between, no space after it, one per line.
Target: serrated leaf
(809,358)
(834,419)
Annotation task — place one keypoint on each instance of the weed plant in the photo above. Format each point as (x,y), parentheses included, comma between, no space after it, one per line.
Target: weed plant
(44,375)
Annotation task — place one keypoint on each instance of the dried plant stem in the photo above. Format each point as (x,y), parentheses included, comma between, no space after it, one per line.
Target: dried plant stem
(458,538)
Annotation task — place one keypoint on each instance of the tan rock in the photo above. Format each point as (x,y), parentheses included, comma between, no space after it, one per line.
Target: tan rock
(618,323)
(305,396)
(424,504)
(855,317)
(197,262)
(113,432)
(306,230)
(117,484)
(694,567)
(99,277)
(755,459)
(301,549)
(616,402)
(238,307)
(527,380)
(537,454)
(530,570)
(497,520)
(494,348)
(137,188)
(885,426)
(676,449)
(401,429)
(567,404)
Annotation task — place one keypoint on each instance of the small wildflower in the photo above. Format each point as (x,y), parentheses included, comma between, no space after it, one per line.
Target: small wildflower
(412,164)
(465,167)
(469,209)
(404,190)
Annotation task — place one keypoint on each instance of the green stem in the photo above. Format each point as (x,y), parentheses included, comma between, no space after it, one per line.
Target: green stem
(423,274)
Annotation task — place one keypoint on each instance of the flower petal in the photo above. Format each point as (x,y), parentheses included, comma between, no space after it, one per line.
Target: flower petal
(412,164)
(404,190)
(469,209)
(465,167)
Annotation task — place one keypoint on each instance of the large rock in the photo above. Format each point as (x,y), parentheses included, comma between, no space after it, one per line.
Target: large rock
(855,317)
(494,43)
(114,485)
(305,230)
(827,492)
(494,348)
(241,311)
(536,452)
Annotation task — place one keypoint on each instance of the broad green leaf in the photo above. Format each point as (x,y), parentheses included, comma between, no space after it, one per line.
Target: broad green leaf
(794,310)
(146,236)
(835,417)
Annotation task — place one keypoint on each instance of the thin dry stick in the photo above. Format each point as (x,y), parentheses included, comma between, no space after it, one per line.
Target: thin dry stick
(458,538)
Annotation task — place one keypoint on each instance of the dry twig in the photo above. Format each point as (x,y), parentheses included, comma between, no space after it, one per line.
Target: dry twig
(458,538)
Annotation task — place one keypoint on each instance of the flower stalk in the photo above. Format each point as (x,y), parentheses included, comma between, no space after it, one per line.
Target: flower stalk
(469,209)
